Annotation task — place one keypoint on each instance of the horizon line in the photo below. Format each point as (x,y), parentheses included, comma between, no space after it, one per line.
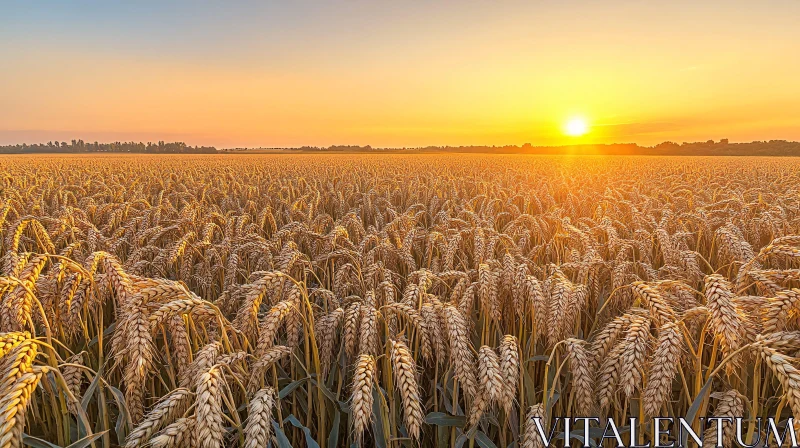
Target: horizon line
(408,147)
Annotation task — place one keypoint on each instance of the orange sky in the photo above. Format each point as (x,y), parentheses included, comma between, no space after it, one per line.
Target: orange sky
(400,74)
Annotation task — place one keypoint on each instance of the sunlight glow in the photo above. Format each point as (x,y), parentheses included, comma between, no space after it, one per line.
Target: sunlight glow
(576,127)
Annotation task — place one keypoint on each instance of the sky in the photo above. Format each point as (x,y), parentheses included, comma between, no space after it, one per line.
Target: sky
(399,74)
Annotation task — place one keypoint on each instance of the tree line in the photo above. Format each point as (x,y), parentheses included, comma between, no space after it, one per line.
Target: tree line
(705,148)
(77,146)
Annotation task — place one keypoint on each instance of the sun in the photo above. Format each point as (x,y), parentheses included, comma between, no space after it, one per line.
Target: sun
(576,127)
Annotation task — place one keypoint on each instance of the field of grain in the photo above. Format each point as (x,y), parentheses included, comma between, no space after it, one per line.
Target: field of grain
(391,300)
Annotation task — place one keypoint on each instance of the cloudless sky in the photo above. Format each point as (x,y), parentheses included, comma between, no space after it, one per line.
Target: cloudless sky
(401,73)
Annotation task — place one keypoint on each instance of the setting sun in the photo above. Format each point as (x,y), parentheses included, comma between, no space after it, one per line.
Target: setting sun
(576,127)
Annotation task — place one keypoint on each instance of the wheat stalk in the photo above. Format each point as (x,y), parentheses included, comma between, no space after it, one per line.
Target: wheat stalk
(530,438)
(176,435)
(461,355)
(259,420)
(579,361)
(209,429)
(361,401)
(509,366)
(489,374)
(167,410)
(405,378)
(663,368)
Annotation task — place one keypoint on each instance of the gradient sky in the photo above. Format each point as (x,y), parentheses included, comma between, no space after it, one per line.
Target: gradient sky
(401,73)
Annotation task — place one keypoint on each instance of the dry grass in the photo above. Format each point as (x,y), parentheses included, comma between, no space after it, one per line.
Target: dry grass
(391,300)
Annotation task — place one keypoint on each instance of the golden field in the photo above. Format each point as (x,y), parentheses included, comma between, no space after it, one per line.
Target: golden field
(391,300)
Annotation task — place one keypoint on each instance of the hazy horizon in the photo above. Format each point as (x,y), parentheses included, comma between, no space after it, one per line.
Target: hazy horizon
(399,75)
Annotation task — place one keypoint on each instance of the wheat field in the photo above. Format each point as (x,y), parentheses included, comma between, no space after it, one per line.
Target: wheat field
(391,300)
